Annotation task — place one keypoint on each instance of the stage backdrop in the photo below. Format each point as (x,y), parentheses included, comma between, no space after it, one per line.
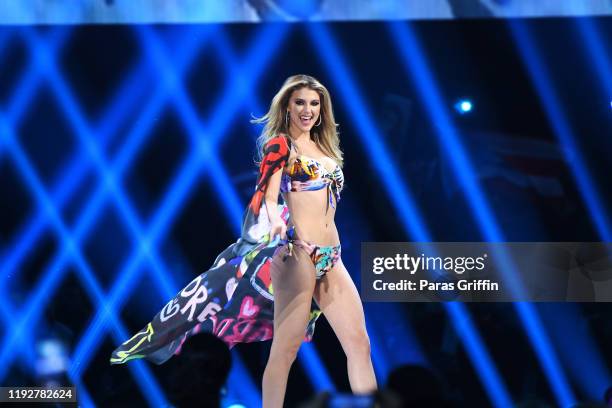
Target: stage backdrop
(126,160)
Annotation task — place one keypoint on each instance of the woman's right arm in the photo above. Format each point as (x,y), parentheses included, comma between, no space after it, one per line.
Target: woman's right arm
(277,225)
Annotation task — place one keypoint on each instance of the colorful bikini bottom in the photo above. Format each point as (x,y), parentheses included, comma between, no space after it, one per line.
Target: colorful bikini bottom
(323,257)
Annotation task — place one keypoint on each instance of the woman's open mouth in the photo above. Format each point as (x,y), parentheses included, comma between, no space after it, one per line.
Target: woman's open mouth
(306,120)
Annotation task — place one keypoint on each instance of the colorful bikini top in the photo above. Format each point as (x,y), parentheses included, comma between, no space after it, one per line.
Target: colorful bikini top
(309,174)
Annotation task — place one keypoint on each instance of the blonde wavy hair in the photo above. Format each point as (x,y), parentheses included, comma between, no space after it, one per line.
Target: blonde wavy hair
(325,135)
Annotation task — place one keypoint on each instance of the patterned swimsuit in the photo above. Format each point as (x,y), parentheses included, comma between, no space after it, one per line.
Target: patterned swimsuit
(234,299)
(309,174)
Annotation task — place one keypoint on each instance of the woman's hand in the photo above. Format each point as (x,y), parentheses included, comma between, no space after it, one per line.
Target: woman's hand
(278,227)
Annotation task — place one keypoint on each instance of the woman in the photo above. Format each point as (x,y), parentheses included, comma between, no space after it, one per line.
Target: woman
(288,254)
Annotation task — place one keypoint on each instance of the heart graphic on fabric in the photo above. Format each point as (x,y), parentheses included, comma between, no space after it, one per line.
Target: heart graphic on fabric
(248,308)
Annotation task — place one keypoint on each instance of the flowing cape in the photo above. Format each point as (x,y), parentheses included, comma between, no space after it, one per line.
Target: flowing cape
(234,299)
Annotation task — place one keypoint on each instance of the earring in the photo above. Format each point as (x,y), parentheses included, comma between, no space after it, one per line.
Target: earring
(320,121)
(287,120)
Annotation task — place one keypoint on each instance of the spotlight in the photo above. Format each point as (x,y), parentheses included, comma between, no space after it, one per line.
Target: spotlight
(464,106)
(52,357)
(227,402)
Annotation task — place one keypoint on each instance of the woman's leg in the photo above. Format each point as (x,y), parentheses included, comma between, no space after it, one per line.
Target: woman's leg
(293,282)
(339,301)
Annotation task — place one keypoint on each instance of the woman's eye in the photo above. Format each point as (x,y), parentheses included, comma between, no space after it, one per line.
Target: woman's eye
(315,103)
(299,102)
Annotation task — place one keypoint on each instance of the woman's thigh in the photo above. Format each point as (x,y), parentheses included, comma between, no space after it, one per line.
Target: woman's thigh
(293,282)
(339,301)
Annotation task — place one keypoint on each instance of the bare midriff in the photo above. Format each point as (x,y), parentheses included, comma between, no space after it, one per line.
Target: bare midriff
(312,218)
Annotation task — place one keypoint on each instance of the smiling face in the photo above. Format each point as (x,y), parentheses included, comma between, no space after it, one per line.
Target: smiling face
(304,109)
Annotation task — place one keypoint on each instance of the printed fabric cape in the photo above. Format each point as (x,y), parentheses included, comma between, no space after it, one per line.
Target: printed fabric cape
(234,299)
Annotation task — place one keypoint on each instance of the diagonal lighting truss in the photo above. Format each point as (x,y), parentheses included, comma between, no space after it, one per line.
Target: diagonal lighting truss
(85,136)
(22,97)
(123,335)
(410,216)
(72,175)
(124,158)
(23,94)
(85,274)
(120,104)
(24,166)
